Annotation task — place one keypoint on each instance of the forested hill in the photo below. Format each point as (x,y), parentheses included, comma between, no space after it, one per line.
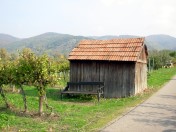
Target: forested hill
(6,40)
(64,43)
(162,42)
(47,42)
(158,42)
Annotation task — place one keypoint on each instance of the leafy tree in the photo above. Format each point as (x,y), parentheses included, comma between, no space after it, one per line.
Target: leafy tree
(29,69)
(6,72)
(24,72)
(4,54)
(173,54)
(45,73)
(39,71)
(62,64)
(4,79)
(159,58)
(13,56)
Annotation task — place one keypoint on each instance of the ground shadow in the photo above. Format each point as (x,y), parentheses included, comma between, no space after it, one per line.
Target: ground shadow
(156,118)
(168,96)
(169,130)
(29,114)
(55,94)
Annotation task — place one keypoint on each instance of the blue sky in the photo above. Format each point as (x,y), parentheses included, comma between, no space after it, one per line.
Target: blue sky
(27,18)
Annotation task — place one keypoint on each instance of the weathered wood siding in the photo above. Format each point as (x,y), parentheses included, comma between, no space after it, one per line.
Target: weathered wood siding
(141,72)
(119,77)
(140,77)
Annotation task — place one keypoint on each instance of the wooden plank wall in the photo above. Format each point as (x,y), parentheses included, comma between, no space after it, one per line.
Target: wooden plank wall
(141,73)
(140,77)
(119,77)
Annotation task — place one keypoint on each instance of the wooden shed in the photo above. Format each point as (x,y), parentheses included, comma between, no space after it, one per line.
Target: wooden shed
(120,63)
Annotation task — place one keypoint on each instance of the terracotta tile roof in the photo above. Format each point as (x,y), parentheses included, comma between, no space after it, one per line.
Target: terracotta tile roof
(111,50)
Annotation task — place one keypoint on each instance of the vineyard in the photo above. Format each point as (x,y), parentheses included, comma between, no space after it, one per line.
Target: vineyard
(32,70)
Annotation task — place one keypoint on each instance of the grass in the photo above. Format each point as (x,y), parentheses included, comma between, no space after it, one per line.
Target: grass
(73,114)
(159,77)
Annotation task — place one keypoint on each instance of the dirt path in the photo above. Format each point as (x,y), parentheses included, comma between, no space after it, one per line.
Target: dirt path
(157,114)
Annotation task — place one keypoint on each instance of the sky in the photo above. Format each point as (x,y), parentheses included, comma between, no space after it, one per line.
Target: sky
(27,18)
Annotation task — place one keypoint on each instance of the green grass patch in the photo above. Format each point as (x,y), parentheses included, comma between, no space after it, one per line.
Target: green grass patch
(159,77)
(78,113)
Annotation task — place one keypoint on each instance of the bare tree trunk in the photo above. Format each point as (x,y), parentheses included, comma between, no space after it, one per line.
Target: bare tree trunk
(13,87)
(4,97)
(41,99)
(64,75)
(24,98)
(47,106)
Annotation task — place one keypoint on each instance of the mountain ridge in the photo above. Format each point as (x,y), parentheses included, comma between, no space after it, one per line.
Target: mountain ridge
(51,42)
(6,39)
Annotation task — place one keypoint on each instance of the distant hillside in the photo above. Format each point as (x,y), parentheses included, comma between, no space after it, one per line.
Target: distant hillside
(48,43)
(6,39)
(162,42)
(158,42)
(64,43)
(112,37)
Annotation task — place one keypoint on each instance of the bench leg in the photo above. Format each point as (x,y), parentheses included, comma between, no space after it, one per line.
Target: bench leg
(98,96)
(61,96)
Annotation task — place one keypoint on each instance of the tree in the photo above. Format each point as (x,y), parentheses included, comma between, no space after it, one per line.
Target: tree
(173,54)
(24,72)
(4,79)
(159,58)
(45,73)
(4,54)
(7,69)
(39,71)
(29,69)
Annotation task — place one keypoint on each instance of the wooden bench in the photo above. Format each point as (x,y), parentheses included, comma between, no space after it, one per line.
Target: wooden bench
(97,88)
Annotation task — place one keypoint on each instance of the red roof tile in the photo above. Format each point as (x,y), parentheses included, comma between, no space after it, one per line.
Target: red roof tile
(111,50)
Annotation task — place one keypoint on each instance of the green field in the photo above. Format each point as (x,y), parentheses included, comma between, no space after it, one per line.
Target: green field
(72,114)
